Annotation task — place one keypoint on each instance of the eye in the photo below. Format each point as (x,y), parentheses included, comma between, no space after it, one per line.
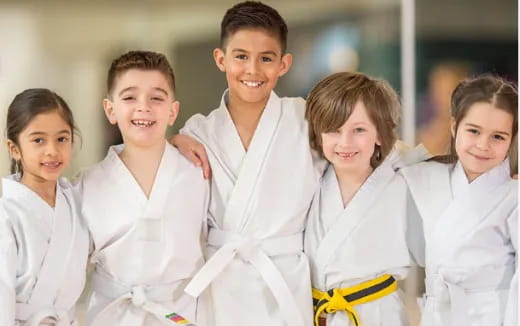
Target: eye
(473,131)
(498,137)
(266,59)
(63,139)
(128,98)
(359,130)
(38,140)
(157,98)
(241,57)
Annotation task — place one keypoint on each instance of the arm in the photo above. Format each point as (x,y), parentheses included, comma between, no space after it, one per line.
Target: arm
(511,314)
(415,232)
(8,262)
(193,151)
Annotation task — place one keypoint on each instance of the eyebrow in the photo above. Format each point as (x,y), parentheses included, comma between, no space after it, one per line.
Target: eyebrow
(38,133)
(479,127)
(245,51)
(159,89)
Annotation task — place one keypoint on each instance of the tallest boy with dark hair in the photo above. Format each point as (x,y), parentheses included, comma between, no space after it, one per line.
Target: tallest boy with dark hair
(263,179)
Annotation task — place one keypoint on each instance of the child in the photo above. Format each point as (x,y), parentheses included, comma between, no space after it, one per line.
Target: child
(469,210)
(145,205)
(43,243)
(263,179)
(355,237)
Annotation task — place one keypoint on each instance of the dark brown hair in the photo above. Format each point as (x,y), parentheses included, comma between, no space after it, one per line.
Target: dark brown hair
(26,106)
(253,15)
(332,100)
(141,60)
(485,88)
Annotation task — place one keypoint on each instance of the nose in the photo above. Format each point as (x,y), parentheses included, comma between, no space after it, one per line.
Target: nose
(252,66)
(483,143)
(51,149)
(143,106)
(344,139)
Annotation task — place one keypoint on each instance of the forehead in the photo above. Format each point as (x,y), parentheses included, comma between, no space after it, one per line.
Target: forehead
(142,80)
(254,40)
(48,122)
(488,116)
(359,114)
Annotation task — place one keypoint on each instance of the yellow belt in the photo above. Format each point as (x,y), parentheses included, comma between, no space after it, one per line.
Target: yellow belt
(344,299)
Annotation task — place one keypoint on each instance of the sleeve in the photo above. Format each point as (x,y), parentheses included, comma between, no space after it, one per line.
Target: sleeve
(191,125)
(77,190)
(8,263)
(414,232)
(511,314)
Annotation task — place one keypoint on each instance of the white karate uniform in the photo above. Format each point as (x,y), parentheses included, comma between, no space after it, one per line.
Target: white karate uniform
(362,241)
(259,202)
(145,250)
(43,256)
(470,235)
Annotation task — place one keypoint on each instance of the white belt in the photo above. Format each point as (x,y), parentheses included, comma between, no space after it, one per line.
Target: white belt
(257,253)
(146,297)
(454,292)
(35,315)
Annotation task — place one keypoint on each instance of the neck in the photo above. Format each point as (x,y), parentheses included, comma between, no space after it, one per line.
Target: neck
(350,182)
(241,110)
(143,163)
(245,116)
(44,188)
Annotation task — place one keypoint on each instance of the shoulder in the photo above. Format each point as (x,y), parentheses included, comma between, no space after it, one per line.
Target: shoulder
(294,106)
(200,122)
(184,168)
(423,169)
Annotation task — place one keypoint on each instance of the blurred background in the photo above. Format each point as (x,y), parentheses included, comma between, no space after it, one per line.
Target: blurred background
(68,45)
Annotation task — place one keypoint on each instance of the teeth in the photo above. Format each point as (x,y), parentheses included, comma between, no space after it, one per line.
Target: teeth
(145,123)
(346,154)
(51,164)
(251,83)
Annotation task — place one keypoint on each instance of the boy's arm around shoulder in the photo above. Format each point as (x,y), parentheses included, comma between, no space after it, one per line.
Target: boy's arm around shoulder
(511,314)
(192,149)
(8,264)
(78,189)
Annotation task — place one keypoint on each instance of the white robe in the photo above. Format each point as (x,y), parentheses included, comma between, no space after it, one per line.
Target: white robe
(364,240)
(145,250)
(470,236)
(43,256)
(259,202)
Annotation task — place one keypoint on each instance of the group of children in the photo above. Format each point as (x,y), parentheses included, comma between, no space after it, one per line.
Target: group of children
(170,247)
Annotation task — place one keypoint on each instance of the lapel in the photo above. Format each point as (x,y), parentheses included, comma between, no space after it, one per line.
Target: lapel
(355,212)
(235,217)
(56,261)
(471,204)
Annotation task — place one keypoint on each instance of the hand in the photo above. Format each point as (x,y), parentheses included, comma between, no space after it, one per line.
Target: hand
(193,151)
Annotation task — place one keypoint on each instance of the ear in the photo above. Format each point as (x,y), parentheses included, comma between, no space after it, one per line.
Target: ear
(108,106)
(174,112)
(285,64)
(218,56)
(14,150)
(452,128)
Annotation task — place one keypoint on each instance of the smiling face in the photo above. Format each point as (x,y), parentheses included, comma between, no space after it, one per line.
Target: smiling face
(351,147)
(482,138)
(253,62)
(142,106)
(44,148)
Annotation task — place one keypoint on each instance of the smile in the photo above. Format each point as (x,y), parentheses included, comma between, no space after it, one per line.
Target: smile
(252,83)
(53,164)
(346,155)
(143,123)
(479,157)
